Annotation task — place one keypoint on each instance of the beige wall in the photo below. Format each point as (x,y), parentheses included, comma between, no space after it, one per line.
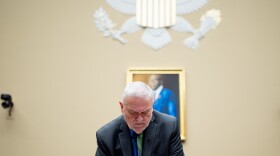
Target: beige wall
(66,79)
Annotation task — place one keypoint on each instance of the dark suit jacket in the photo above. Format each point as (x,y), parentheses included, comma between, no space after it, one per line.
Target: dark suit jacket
(161,138)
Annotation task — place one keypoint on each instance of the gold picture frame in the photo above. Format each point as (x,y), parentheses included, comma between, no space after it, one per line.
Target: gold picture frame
(174,81)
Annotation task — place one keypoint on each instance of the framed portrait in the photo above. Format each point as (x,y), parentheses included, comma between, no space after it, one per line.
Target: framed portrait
(169,91)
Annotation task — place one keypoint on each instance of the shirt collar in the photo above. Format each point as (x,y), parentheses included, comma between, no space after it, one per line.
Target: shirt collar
(157,91)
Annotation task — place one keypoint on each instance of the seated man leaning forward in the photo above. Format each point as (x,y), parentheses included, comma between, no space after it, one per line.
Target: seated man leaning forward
(140,130)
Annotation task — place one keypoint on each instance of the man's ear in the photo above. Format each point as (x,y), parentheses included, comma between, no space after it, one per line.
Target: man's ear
(121,105)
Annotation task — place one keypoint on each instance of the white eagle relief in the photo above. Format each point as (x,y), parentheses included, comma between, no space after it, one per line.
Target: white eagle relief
(156,38)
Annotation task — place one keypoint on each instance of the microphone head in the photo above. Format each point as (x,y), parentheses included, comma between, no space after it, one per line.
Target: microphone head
(6,97)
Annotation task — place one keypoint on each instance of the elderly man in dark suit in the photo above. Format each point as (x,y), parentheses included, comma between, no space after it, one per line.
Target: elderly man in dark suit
(139,131)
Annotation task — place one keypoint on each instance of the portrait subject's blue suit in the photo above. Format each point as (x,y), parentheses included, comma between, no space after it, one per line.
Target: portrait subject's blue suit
(166,102)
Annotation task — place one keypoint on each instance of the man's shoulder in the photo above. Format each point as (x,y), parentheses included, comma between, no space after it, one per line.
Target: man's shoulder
(166,91)
(162,117)
(109,127)
(166,124)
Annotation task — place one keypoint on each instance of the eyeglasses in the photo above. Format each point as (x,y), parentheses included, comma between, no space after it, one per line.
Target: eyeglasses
(133,113)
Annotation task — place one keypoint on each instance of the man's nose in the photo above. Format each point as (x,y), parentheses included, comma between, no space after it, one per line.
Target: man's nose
(139,117)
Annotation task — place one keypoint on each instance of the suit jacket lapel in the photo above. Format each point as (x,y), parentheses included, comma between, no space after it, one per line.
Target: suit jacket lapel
(125,140)
(149,136)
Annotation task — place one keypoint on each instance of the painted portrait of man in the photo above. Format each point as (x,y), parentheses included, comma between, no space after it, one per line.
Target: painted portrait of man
(169,93)
(166,100)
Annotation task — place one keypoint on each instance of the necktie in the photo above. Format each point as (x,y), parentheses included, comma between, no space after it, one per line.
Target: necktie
(137,140)
(139,143)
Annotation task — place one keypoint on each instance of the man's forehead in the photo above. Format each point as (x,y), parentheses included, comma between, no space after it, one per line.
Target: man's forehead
(138,108)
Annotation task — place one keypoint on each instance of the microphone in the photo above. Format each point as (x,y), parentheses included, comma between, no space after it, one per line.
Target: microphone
(7,102)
